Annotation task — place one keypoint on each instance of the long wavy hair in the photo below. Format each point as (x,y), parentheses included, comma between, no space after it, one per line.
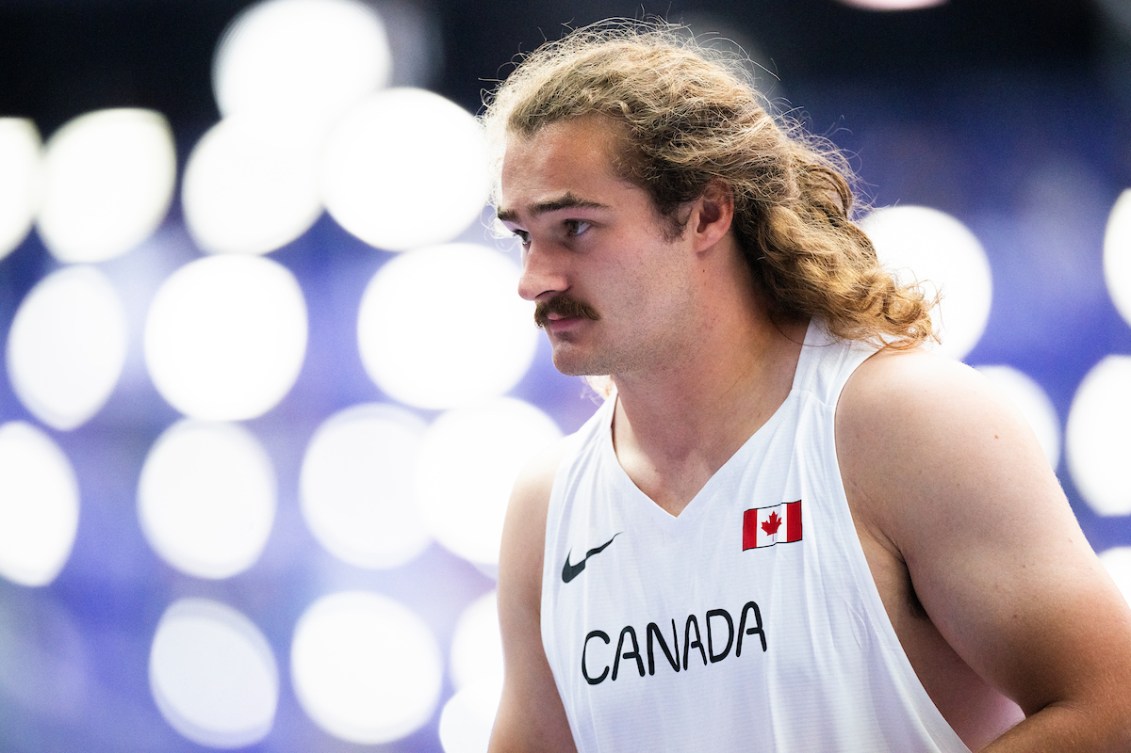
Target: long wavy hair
(692,115)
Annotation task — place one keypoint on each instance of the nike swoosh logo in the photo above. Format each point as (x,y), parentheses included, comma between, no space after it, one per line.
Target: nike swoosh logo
(569,572)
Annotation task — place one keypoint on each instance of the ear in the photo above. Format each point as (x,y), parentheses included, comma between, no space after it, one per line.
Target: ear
(711,215)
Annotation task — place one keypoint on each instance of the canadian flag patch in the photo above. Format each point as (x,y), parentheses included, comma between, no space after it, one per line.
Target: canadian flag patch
(766,526)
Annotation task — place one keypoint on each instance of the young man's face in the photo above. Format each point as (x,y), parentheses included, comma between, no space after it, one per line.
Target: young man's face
(608,282)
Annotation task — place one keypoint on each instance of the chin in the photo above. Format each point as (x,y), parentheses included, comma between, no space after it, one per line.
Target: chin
(573,364)
(571,369)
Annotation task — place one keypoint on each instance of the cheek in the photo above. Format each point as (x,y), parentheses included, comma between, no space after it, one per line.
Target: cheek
(644,280)
(654,302)
(668,281)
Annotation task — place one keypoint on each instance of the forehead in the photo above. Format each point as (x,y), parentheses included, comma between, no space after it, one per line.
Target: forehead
(574,156)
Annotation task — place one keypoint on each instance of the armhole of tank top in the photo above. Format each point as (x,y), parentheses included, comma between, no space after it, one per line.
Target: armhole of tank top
(930,716)
(573,446)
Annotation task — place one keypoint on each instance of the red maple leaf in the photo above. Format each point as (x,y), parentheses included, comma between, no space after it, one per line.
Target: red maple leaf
(771,524)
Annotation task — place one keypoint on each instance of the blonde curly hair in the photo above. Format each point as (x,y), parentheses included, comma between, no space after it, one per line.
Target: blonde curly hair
(692,115)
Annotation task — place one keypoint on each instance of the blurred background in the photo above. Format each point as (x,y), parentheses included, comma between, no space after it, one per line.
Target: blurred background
(266,381)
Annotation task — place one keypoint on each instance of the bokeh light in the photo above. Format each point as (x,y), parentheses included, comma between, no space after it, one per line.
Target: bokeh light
(1117,254)
(226,336)
(427,343)
(366,668)
(45,662)
(251,184)
(213,674)
(358,486)
(925,245)
(1034,405)
(477,648)
(477,674)
(1098,437)
(467,718)
(108,183)
(1117,560)
(301,56)
(67,346)
(893,5)
(469,461)
(39,505)
(207,498)
(405,168)
(20,148)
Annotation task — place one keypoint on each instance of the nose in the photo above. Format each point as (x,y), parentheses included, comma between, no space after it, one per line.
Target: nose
(542,275)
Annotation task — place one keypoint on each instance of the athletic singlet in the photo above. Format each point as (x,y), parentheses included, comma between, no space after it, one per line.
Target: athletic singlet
(750,621)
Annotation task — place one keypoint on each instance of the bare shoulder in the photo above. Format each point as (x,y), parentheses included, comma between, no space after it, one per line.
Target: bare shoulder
(946,472)
(520,557)
(530,715)
(536,478)
(908,415)
(927,443)
(893,387)
(529,502)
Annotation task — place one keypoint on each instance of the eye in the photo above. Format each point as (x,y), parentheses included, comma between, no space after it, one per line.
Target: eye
(575,228)
(523,237)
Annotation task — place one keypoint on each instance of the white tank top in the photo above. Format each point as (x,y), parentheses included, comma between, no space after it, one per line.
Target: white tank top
(750,622)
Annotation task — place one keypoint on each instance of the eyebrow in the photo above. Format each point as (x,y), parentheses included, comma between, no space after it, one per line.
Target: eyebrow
(567,201)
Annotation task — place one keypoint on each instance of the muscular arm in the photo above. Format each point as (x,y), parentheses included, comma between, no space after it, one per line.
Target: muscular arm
(956,484)
(530,716)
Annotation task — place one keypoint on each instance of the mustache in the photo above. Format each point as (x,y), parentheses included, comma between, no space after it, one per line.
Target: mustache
(564,306)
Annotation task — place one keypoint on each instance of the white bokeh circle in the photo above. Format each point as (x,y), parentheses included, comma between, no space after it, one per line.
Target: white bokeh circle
(1117,254)
(467,718)
(300,56)
(357,486)
(469,461)
(1098,437)
(213,675)
(1033,403)
(225,337)
(39,505)
(405,168)
(46,660)
(932,248)
(67,346)
(109,178)
(413,327)
(251,184)
(1117,560)
(365,668)
(21,156)
(477,647)
(207,498)
(893,5)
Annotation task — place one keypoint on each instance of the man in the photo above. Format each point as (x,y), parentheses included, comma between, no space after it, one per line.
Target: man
(790,527)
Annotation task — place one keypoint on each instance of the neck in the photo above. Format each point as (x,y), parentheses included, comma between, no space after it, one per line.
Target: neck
(708,402)
(674,431)
(725,369)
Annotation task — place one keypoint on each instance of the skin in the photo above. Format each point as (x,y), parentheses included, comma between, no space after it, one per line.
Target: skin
(1006,615)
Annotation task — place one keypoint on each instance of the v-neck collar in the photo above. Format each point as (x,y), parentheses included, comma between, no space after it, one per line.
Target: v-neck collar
(700,500)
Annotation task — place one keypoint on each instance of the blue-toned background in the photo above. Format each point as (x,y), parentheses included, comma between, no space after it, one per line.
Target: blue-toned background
(1012,117)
